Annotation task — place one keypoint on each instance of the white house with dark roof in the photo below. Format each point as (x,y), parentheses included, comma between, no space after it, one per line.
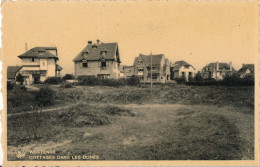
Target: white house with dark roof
(98,59)
(182,69)
(246,69)
(160,72)
(217,70)
(39,63)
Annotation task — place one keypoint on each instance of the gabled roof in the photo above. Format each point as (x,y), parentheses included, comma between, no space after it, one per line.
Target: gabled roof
(94,52)
(246,67)
(39,52)
(156,59)
(178,64)
(58,67)
(221,65)
(12,70)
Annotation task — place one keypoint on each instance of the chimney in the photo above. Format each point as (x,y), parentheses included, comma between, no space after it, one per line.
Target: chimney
(230,66)
(26,48)
(243,65)
(98,41)
(217,66)
(89,42)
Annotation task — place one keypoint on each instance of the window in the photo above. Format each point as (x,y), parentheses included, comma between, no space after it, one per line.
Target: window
(84,65)
(103,64)
(183,74)
(140,62)
(140,69)
(154,68)
(154,76)
(103,53)
(32,60)
(103,76)
(141,77)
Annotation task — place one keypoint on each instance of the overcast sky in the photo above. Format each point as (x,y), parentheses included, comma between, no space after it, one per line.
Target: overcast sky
(197,32)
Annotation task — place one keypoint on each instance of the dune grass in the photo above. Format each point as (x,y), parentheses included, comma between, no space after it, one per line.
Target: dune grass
(174,122)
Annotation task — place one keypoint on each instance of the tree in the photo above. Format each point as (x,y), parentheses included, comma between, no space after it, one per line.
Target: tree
(20,78)
(68,77)
(44,97)
(198,77)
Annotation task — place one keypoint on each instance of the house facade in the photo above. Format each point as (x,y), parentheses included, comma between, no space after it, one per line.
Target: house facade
(153,68)
(98,59)
(182,69)
(38,64)
(217,70)
(129,71)
(246,69)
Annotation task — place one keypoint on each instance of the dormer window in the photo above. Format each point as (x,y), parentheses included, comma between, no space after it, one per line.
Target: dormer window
(103,53)
(154,68)
(140,62)
(94,46)
(41,53)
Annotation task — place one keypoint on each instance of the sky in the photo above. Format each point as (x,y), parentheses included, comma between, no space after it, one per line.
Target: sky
(197,32)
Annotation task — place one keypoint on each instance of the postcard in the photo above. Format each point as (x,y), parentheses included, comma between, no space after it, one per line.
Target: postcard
(130,83)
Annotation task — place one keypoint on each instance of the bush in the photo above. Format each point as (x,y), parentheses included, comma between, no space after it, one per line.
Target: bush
(180,80)
(53,80)
(88,80)
(114,82)
(10,85)
(133,80)
(68,77)
(249,80)
(20,78)
(198,77)
(229,80)
(66,85)
(44,97)
(232,80)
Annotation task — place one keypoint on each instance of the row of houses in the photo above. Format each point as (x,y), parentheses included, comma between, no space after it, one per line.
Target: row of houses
(103,60)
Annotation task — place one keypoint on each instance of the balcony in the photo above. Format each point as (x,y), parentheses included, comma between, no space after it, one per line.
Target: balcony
(103,68)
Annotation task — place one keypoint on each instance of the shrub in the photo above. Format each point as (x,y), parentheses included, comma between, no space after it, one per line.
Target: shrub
(232,80)
(198,77)
(53,80)
(66,85)
(20,78)
(133,80)
(180,80)
(45,96)
(113,82)
(249,80)
(10,85)
(88,80)
(68,77)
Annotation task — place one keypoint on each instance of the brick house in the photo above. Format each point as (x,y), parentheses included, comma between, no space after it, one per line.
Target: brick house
(160,68)
(98,59)
(38,64)
(182,69)
(217,70)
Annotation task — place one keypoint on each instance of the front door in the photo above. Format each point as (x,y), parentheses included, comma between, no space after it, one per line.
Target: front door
(36,78)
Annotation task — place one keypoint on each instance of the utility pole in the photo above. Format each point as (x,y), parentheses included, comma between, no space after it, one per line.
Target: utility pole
(151,71)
